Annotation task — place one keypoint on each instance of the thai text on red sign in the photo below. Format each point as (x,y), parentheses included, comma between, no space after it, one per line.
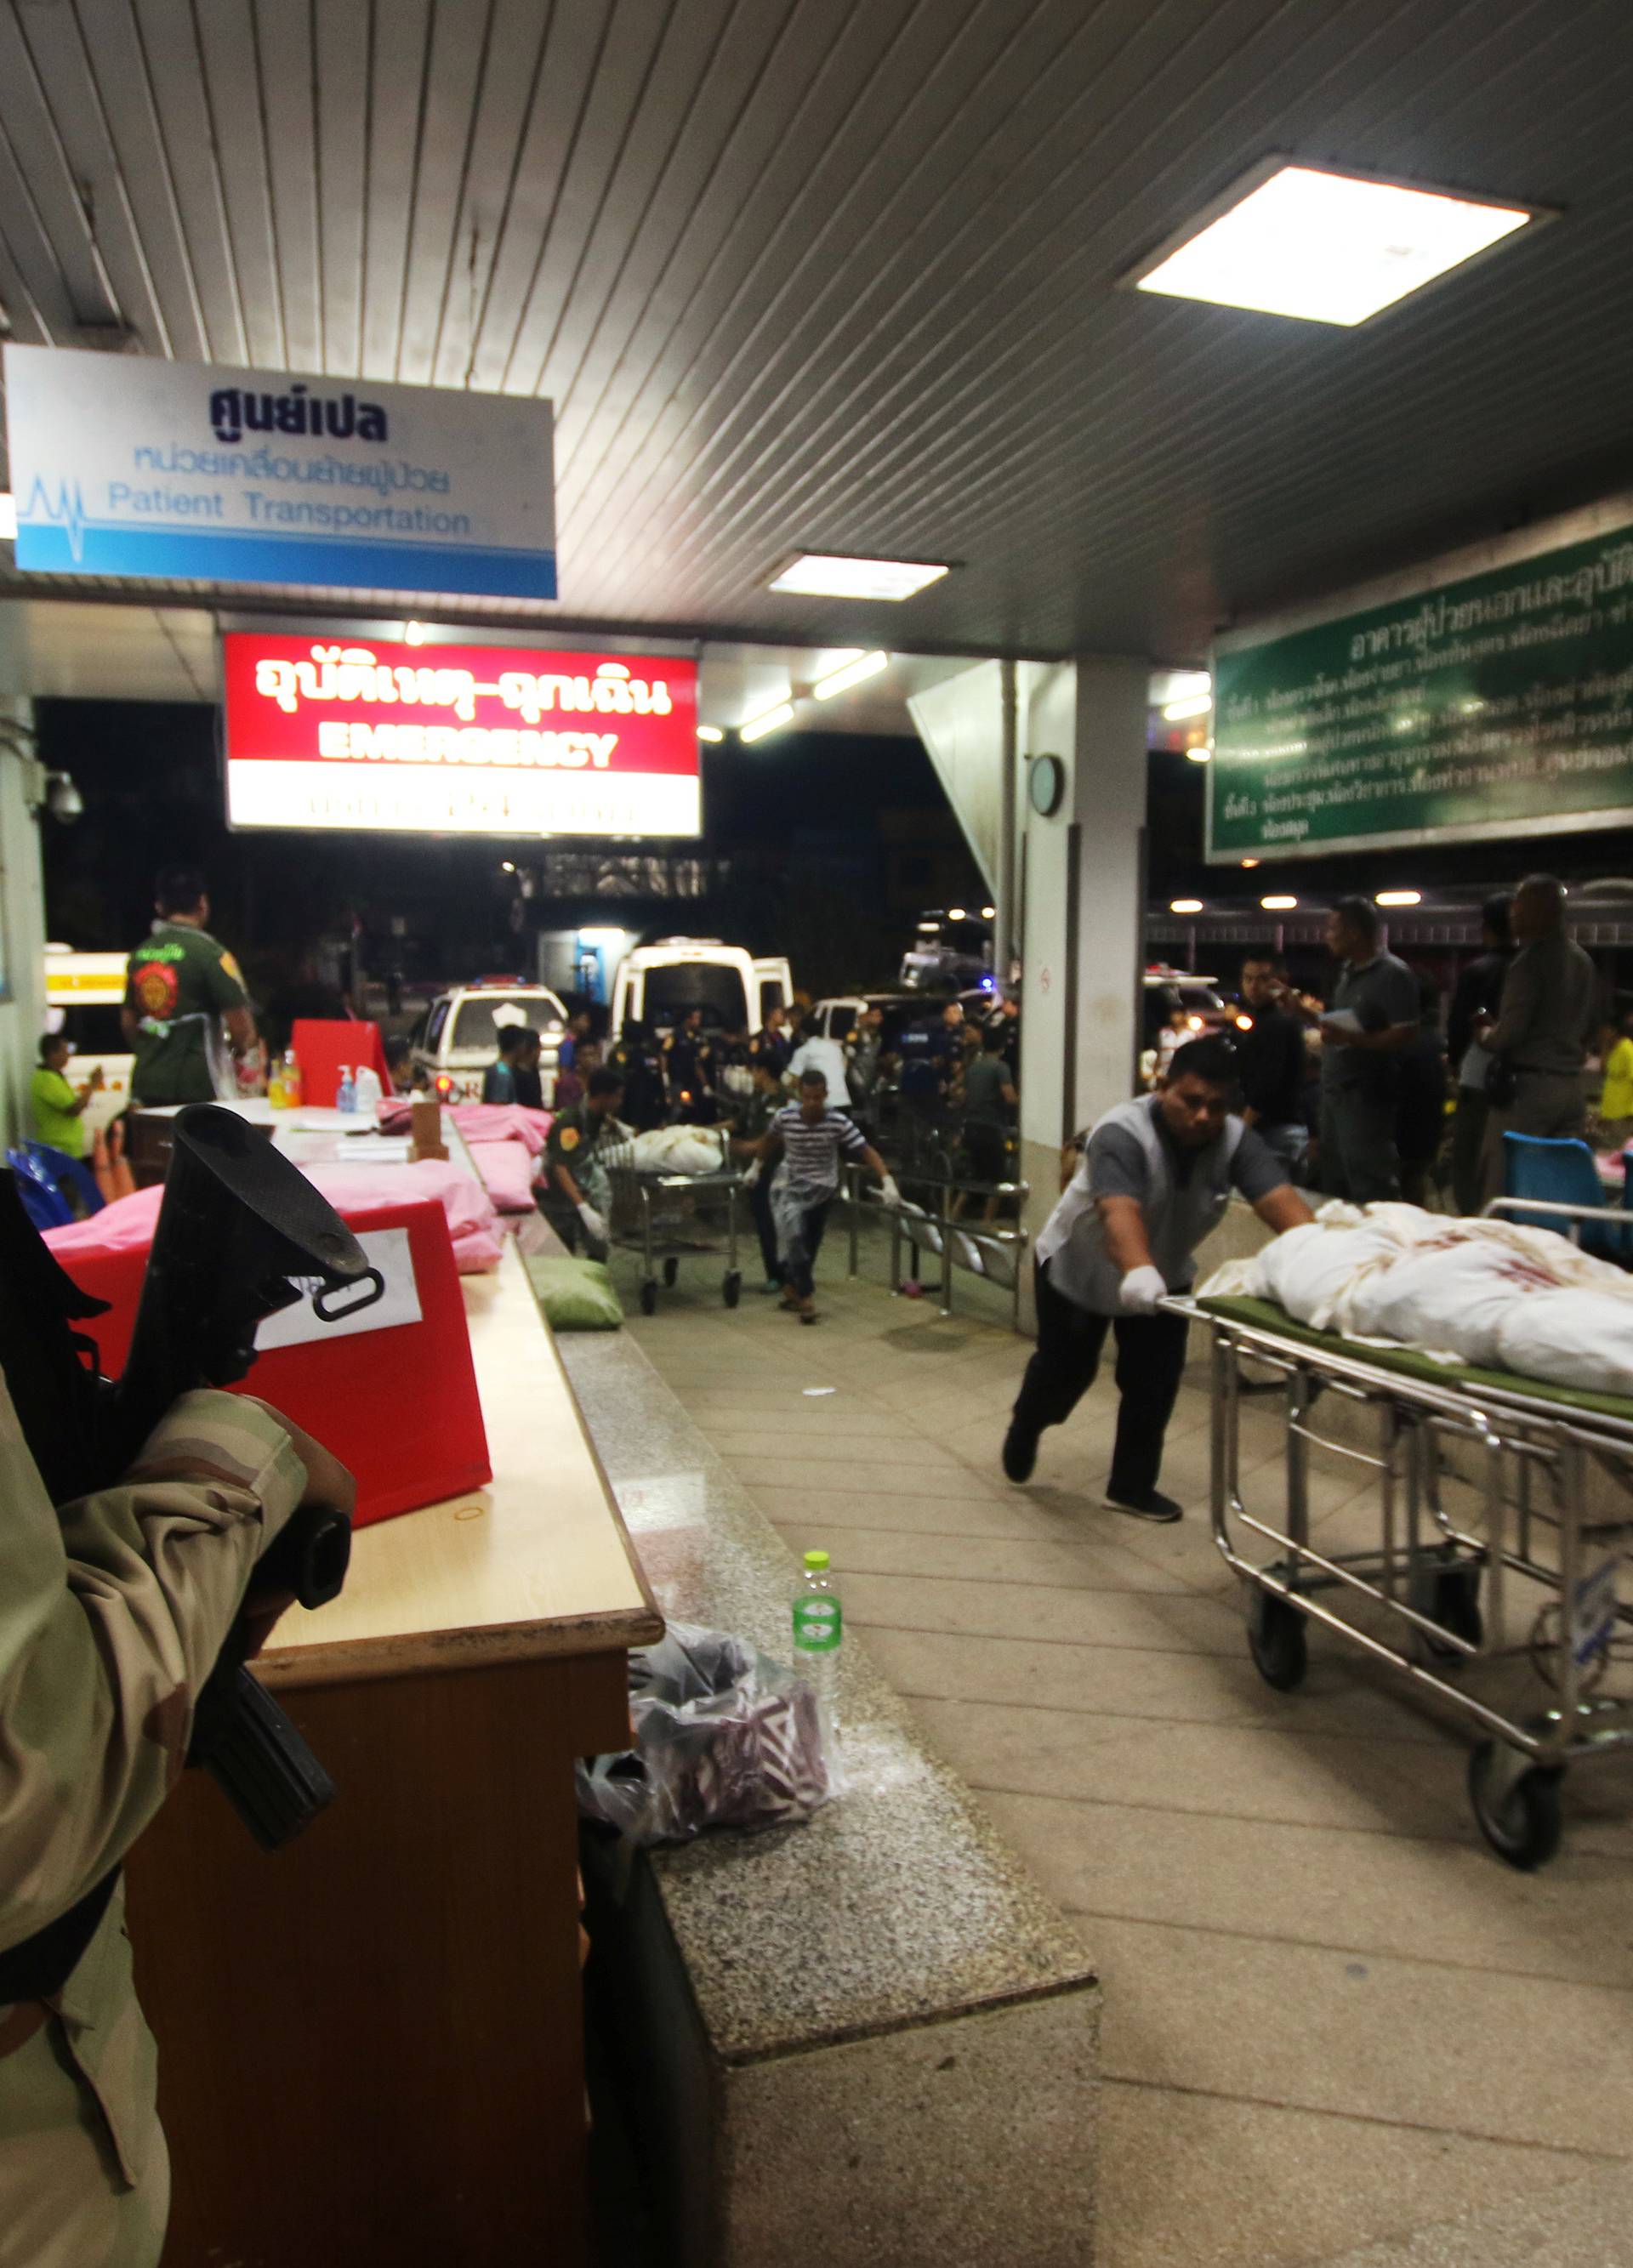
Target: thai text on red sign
(516,708)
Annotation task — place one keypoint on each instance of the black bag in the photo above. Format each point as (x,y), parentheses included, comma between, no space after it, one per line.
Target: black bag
(1501,1082)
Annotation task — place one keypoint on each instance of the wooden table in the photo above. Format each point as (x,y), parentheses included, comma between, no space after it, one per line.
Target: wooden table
(369,2044)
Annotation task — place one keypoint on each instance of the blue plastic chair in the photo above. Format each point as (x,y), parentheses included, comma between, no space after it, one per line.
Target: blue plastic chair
(1561,1171)
(42,1201)
(70,1174)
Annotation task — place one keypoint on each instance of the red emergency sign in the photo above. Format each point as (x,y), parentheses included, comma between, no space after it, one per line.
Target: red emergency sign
(472,739)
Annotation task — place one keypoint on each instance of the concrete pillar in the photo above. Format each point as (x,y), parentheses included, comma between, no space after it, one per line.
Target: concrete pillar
(1083,894)
(22,918)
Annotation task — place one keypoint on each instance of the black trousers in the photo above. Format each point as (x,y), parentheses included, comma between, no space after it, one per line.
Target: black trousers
(1150,1362)
(766,1227)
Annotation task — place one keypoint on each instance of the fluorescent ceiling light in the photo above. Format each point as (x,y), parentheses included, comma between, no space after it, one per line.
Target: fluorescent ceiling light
(1400,898)
(1192,704)
(710,732)
(989,913)
(1185,905)
(849,674)
(1329,247)
(824,575)
(8,518)
(1278,905)
(771,720)
(1200,754)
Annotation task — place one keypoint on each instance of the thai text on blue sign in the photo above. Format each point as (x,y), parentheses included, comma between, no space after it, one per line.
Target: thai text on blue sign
(128,467)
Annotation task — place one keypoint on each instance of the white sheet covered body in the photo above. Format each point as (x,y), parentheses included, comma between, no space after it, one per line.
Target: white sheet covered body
(1483,1292)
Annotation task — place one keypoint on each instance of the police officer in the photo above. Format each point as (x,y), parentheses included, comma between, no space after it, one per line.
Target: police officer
(579,1196)
(773,1045)
(864,1057)
(749,1127)
(183,987)
(932,1054)
(1005,1017)
(1155,1177)
(112,1614)
(640,1064)
(688,1072)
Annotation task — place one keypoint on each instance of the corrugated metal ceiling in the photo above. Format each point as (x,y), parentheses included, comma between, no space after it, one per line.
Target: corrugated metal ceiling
(837,274)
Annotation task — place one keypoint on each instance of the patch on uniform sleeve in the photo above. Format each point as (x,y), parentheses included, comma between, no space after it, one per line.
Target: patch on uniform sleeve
(569,1138)
(230,967)
(669,1044)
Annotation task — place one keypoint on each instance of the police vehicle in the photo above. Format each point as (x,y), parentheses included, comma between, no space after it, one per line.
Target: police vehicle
(457,1037)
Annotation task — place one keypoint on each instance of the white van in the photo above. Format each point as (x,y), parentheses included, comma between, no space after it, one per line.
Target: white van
(457,1037)
(659,985)
(85,992)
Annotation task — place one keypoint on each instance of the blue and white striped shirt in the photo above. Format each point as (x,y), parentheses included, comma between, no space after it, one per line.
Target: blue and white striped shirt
(813,1149)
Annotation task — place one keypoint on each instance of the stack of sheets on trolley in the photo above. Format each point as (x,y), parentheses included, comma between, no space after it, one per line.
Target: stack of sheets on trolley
(1487,1292)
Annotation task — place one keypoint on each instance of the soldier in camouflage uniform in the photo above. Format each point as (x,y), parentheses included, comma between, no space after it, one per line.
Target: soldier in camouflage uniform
(111,1617)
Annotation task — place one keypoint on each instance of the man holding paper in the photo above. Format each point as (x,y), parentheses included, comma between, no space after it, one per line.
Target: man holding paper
(1373,1018)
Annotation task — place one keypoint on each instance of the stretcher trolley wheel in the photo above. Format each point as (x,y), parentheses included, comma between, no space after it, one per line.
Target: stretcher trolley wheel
(649,1296)
(671,1269)
(1516,1804)
(1275,1638)
(731,1286)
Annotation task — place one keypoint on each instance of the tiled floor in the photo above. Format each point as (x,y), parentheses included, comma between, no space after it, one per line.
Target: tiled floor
(1332,2018)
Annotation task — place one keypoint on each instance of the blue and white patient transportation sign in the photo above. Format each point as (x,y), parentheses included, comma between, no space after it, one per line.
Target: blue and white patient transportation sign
(126,466)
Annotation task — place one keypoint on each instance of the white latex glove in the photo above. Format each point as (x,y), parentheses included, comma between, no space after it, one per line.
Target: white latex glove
(889,1191)
(594,1223)
(1141,1290)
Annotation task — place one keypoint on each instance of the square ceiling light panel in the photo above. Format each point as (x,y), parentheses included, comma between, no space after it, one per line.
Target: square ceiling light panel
(824,575)
(1329,247)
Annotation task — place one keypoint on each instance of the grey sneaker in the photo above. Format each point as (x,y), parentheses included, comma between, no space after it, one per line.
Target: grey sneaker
(1155,1506)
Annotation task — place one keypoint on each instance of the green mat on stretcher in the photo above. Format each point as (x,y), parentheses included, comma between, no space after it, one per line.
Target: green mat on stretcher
(1462,1377)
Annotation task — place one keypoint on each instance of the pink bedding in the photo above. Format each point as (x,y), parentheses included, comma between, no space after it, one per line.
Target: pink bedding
(472,1221)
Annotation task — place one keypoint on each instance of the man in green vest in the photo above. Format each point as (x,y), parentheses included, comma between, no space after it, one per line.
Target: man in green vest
(182,988)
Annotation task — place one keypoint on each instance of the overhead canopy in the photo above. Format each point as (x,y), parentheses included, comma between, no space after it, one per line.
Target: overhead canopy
(800,276)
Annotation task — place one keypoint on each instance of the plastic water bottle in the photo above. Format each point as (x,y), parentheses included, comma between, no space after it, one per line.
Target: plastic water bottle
(369,1090)
(818,1636)
(346,1098)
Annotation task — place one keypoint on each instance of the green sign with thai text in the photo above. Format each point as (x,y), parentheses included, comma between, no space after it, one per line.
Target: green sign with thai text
(1499,705)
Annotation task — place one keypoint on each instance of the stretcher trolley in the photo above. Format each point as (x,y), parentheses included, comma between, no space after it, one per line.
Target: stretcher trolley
(666,1217)
(1499,1578)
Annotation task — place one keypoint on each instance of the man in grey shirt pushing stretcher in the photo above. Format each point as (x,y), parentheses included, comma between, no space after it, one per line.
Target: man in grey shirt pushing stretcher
(1155,1177)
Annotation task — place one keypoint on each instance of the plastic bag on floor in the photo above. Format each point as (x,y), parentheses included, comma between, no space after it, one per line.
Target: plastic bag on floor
(724,1737)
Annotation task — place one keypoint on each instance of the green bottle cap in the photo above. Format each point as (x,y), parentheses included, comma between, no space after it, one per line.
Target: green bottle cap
(816,1561)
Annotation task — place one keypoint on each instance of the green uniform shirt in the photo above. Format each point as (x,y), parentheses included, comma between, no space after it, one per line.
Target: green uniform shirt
(181,983)
(56,1115)
(575,1137)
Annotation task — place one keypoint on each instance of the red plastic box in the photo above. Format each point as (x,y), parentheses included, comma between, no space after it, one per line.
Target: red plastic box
(398,1405)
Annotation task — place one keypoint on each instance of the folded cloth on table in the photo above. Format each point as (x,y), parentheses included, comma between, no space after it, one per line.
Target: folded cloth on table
(507,1172)
(477,1121)
(473,1225)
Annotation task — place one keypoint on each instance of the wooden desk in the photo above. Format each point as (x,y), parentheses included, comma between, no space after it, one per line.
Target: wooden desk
(369,2044)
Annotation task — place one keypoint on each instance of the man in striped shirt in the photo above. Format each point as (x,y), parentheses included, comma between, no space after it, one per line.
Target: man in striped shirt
(808,1138)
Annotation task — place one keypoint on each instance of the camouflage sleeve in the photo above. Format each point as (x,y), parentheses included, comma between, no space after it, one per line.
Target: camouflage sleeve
(111,1615)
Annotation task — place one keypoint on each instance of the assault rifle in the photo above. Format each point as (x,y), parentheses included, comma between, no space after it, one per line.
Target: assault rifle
(241,1234)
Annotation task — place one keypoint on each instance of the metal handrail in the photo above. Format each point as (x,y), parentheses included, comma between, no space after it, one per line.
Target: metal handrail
(948,1229)
(1500,1208)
